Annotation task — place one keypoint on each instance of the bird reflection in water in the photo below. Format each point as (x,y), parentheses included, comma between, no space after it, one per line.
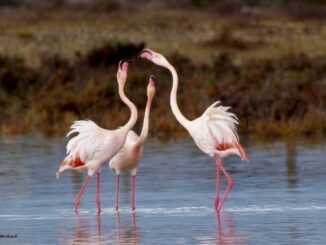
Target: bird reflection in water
(84,231)
(127,233)
(226,232)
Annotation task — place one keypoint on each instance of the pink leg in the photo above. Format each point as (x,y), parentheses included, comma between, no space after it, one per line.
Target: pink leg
(219,235)
(134,219)
(118,227)
(81,192)
(133,193)
(218,185)
(229,184)
(98,192)
(99,225)
(117,189)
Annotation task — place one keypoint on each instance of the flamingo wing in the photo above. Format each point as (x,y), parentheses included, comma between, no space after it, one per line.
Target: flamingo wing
(221,123)
(215,129)
(90,141)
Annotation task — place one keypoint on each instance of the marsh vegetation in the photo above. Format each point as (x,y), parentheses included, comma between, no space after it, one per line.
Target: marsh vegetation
(58,66)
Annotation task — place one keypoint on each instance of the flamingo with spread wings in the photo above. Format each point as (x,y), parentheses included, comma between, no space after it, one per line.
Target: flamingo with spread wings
(128,157)
(214,132)
(93,146)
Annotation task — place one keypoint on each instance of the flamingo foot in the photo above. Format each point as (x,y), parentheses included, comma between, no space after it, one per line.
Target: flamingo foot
(99,210)
(217,204)
(77,204)
(219,208)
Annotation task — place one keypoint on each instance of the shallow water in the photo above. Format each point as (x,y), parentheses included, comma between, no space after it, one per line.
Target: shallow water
(279,197)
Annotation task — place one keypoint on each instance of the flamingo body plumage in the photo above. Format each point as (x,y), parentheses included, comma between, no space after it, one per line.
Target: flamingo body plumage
(127,159)
(92,145)
(214,132)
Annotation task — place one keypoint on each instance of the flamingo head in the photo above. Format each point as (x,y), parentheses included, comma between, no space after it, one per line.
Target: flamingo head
(154,57)
(151,87)
(122,72)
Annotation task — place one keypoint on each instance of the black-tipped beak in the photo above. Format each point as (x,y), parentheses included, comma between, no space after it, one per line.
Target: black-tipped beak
(123,61)
(153,78)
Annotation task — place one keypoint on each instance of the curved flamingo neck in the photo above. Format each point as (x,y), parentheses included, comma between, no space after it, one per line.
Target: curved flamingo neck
(173,97)
(133,109)
(144,131)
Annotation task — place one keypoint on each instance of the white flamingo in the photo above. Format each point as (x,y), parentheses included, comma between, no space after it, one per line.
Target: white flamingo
(214,132)
(128,157)
(93,145)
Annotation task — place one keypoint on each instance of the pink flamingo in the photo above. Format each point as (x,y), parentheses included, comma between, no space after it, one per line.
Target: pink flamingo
(128,157)
(214,132)
(93,146)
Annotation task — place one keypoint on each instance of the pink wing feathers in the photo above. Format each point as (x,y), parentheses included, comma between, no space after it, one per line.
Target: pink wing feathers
(222,125)
(89,144)
(90,139)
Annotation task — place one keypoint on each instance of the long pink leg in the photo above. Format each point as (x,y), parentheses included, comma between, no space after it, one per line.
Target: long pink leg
(218,186)
(133,192)
(80,194)
(229,184)
(98,192)
(117,189)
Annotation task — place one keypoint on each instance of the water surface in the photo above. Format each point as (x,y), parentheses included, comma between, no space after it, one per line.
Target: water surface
(279,197)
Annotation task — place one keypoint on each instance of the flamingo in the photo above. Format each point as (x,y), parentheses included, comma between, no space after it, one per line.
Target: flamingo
(128,157)
(214,132)
(93,145)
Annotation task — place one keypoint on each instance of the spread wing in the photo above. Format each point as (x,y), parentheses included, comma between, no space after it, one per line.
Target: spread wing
(90,140)
(222,124)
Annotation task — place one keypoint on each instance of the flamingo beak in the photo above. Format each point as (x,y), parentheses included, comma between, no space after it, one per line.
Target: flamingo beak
(146,54)
(123,64)
(152,80)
